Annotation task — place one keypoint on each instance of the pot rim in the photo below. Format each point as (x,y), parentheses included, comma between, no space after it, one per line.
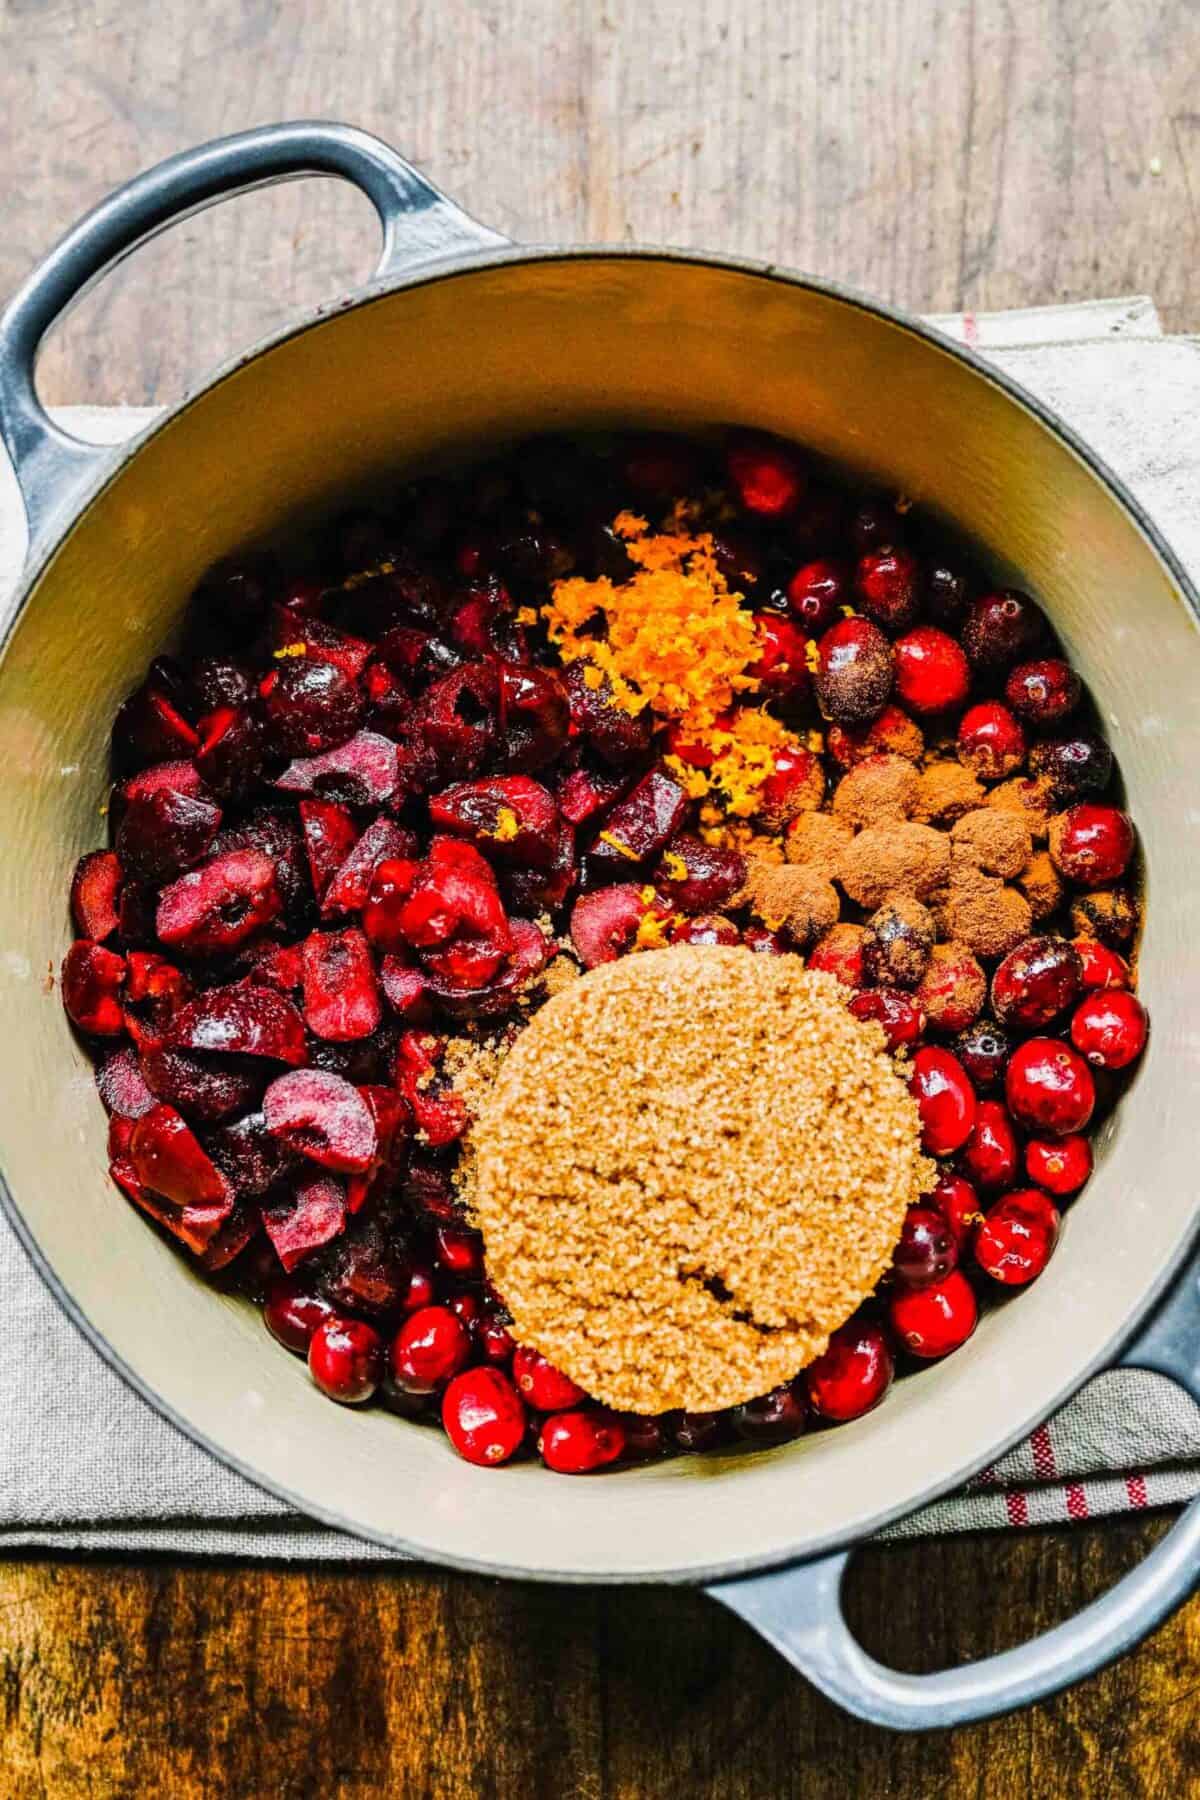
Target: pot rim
(110,464)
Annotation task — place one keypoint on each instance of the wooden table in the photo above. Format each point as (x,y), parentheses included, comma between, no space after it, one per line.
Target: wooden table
(943,153)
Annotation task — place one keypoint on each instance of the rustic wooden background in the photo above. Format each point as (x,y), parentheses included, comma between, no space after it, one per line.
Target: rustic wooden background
(944,153)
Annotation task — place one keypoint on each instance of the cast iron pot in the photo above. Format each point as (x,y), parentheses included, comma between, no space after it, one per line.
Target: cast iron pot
(463,339)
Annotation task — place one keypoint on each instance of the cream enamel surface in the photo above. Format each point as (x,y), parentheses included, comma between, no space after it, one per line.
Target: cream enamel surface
(518,345)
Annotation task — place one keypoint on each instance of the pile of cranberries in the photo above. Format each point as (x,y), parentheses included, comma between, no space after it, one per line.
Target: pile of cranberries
(353,817)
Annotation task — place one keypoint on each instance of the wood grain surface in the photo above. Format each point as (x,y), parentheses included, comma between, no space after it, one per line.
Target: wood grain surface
(939,152)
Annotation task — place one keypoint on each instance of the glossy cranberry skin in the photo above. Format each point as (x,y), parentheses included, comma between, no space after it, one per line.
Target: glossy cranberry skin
(991,1155)
(1100,967)
(494,1339)
(645,1437)
(419,1288)
(855,669)
(774,1418)
(946,596)
(945,1099)
(1091,845)
(763,941)
(1036,981)
(1001,628)
(853,1373)
(887,583)
(1049,1088)
(1109,1028)
(576,1443)
(931,1322)
(459,1253)
(816,593)
(541,1385)
(345,1359)
(1017,1237)
(1059,1165)
(928,1248)
(957,1201)
(697,1431)
(291,1313)
(991,742)
(766,474)
(1043,693)
(983,1049)
(707,928)
(781,664)
(840,953)
(902,1020)
(483,1417)
(1077,768)
(932,674)
(429,1349)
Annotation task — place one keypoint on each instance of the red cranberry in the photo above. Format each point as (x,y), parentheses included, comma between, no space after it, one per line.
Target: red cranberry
(1000,629)
(1017,1237)
(694,1432)
(419,1287)
(696,877)
(1043,693)
(928,1248)
(766,475)
(542,1386)
(956,1200)
(855,669)
(946,594)
(1101,967)
(291,1313)
(931,671)
(1060,1165)
(991,742)
(945,1100)
(1049,1088)
(840,953)
(345,1359)
(901,1019)
(645,1438)
(797,779)
(1036,982)
(494,1339)
(708,928)
(887,583)
(781,664)
(933,1321)
(816,594)
(983,1049)
(763,941)
(1078,768)
(483,1417)
(1091,845)
(576,1443)
(459,1253)
(852,1374)
(467,1306)
(990,1155)
(429,1349)
(953,988)
(892,732)
(1109,1028)
(774,1418)
(899,938)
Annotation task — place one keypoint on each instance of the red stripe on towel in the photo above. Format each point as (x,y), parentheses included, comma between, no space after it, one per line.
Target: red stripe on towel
(1077,1506)
(970,330)
(1135,1487)
(1043,1454)
(1018,1511)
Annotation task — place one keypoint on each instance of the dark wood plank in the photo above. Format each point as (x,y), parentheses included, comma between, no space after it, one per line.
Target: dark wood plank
(940,152)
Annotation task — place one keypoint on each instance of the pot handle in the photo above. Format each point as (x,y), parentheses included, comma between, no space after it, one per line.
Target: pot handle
(419,224)
(799,1610)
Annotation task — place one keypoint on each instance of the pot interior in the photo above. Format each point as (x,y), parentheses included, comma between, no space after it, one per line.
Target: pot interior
(517,345)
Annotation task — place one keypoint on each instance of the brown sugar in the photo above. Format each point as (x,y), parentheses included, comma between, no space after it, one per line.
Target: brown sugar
(1029,796)
(898,858)
(993,840)
(880,788)
(789,897)
(945,792)
(985,914)
(818,841)
(1041,884)
(693,1166)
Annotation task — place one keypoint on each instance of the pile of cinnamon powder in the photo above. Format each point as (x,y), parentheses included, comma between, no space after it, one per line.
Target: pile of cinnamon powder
(692,1166)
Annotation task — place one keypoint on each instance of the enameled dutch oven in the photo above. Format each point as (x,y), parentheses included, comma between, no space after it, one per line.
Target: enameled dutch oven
(463,339)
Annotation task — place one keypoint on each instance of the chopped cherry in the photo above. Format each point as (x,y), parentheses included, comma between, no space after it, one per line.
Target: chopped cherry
(1109,1027)
(95,891)
(852,1374)
(934,1321)
(322,1117)
(92,980)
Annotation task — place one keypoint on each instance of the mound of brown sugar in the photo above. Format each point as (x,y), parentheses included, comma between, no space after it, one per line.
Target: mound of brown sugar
(693,1165)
